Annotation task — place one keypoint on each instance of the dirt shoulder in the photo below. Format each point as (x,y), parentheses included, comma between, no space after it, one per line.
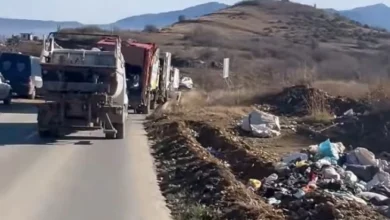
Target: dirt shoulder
(206,162)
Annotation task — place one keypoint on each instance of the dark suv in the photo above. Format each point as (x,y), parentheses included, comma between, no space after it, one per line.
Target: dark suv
(17,69)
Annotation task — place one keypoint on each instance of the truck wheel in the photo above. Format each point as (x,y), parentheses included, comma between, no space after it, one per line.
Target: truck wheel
(153,104)
(110,135)
(7,101)
(145,109)
(120,128)
(44,133)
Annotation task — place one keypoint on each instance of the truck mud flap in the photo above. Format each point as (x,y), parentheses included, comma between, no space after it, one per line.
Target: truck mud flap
(110,126)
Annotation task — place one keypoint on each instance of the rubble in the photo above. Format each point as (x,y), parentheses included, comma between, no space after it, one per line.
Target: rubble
(293,101)
(326,171)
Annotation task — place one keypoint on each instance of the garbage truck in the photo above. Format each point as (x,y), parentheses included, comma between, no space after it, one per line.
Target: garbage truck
(83,85)
(150,76)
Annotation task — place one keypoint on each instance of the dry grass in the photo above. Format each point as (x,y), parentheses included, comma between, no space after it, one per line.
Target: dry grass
(379,96)
(351,89)
(318,109)
(196,212)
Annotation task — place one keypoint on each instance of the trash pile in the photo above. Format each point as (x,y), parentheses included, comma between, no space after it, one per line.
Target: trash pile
(293,101)
(303,180)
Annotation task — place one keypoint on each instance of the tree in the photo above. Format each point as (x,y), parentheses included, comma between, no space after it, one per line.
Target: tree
(181,18)
(150,28)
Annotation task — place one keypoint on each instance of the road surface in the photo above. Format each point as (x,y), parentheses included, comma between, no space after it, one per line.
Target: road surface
(79,177)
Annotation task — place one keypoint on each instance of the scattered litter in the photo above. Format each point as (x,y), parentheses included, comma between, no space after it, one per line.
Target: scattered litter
(332,150)
(273,201)
(330,173)
(326,169)
(350,112)
(295,156)
(261,124)
(370,195)
(255,184)
(186,82)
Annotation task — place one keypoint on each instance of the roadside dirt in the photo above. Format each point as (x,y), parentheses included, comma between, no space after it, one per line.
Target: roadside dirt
(206,160)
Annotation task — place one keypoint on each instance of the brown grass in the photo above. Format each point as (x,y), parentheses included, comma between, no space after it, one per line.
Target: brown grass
(318,109)
(351,89)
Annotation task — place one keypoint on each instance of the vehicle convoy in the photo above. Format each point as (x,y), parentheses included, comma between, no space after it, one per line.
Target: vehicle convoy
(19,69)
(147,74)
(84,88)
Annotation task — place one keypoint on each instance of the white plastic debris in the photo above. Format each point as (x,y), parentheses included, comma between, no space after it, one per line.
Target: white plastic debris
(186,82)
(371,195)
(313,149)
(326,161)
(350,177)
(330,173)
(381,178)
(261,124)
(350,112)
(294,156)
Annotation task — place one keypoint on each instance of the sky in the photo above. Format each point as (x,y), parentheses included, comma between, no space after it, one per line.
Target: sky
(108,11)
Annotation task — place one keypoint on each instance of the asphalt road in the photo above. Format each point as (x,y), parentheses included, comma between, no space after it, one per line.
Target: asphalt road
(79,177)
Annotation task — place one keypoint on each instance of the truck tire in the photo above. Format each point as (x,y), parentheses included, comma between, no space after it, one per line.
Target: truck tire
(153,103)
(110,135)
(121,129)
(7,101)
(44,133)
(145,109)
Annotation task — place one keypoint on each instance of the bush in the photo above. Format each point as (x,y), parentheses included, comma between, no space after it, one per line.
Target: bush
(182,18)
(202,36)
(151,29)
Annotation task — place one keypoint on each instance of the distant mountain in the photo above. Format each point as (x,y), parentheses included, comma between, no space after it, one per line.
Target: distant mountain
(9,26)
(377,15)
(168,18)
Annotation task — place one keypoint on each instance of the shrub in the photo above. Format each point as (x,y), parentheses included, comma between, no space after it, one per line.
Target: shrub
(151,29)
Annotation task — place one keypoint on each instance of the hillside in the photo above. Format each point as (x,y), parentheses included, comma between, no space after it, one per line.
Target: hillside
(168,18)
(10,26)
(377,15)
(274,41)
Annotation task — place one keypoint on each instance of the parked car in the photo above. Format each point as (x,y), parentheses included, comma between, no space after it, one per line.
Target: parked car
(5,90)
(20,69)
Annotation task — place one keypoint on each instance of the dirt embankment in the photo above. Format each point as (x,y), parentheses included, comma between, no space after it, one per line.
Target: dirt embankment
(205,161)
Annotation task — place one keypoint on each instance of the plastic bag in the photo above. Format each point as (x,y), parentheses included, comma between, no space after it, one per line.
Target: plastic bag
(371,195)
(365,156)
(329,149)
(330,173)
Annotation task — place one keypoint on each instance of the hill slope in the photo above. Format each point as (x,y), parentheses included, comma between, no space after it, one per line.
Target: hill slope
(377,15)
(168,18)
(276,42)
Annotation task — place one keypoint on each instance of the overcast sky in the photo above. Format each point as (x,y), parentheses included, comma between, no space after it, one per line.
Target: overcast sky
(106,11)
